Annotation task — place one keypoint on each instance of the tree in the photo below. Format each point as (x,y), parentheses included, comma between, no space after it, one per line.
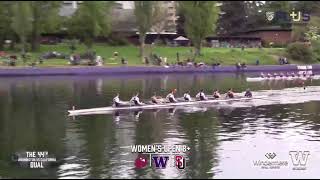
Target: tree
(143,11)
(21,21)
(233,17)
(159,20)
(5,16)
(255,16)
(200,20)
(44,19)
(91,20)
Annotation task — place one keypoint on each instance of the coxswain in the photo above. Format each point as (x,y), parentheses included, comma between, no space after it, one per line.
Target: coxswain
(116,101)
(186,96)
(248,93)
(230,93)
(201,96)
(135,100)
(216,94)
(170,96)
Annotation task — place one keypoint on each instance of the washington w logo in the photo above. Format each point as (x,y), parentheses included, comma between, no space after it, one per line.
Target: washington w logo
(160,161)
(270,16)
(299,159)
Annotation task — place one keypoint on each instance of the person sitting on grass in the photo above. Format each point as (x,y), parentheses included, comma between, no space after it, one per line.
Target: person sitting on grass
(123,61)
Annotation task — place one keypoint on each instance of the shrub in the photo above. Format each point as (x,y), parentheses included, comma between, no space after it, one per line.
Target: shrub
(117,41)
(316,49)
(300,52)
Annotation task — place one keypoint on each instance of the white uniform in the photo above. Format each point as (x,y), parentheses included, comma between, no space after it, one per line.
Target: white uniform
(171,98)
(135,99)
(201,95)
(187,97)
(116,99)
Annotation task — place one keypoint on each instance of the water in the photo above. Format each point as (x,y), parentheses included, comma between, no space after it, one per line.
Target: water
(224,142)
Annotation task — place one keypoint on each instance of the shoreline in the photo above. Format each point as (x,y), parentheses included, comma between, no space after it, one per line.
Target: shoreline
(128,70)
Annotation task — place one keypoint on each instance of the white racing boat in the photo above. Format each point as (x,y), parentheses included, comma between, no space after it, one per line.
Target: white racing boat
(260,98)
(156,106)
(253,79)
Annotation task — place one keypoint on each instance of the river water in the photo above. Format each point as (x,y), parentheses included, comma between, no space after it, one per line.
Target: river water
(224,142)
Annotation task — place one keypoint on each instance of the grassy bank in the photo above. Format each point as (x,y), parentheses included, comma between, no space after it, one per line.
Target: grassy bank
(225,56)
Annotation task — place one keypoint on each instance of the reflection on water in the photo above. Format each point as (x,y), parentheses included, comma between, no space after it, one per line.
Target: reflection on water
(224,141)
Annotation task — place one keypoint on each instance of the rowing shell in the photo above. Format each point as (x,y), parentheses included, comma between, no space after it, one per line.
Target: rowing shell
(281,78)
(154,106)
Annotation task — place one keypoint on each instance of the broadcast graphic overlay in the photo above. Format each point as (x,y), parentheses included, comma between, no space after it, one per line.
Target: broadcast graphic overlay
(160,156)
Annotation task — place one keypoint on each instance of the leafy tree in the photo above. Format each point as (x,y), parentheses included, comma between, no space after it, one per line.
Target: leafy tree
(159,20)
(200,20)
(144,12)
(21,21)
(233,17)
(44,19)
(91,20)
(5,16)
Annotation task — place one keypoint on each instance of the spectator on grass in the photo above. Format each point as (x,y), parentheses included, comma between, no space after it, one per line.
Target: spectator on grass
(123,61)
(238,65)
(285,61)
(146,60)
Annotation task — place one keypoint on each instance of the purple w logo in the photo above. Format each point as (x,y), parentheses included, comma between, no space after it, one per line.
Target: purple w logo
(160,161)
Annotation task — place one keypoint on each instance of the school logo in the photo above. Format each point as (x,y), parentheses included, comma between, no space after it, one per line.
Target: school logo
(160,162)
(270,16)
(299,159)
(180,162)
(141,161)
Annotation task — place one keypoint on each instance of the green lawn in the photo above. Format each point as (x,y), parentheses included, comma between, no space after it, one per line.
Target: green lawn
(225,56)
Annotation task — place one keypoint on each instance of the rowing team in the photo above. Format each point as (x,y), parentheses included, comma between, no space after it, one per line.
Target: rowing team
(170,97)
(284,75)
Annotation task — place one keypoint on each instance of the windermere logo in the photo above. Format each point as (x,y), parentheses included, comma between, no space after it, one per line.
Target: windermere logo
(299,159)
(270,163)
(270,155)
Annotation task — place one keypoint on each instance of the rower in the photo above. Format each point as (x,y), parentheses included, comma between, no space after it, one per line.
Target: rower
(116,101)
(170,96)
(230,93)
(135,100)
(201,95)
(281,74)
(262,75)
(269,75)
(248,93)
(292,74)
(156,99)
(186,96)
(275,75)
(304,74)
(287,74)
(216,94)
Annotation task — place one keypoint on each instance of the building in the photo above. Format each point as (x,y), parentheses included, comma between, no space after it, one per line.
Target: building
(69,7)
(171,15)
(272,34)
